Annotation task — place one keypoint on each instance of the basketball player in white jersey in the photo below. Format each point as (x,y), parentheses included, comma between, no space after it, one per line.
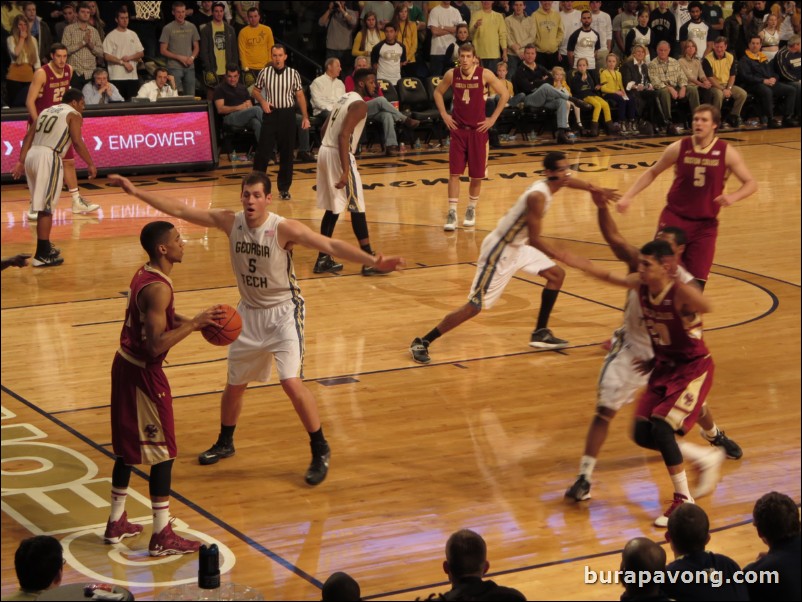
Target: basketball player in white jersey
(271,305)
(46,142)
(339,186)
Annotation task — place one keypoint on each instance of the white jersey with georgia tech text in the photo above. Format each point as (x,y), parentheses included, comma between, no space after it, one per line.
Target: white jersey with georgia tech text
(337,120)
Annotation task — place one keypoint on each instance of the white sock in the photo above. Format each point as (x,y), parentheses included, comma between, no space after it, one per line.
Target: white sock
(586,466)
(472,200)
(161,515)
(681,485)
(118,497)
(75,194)
(711,433)
(452,204)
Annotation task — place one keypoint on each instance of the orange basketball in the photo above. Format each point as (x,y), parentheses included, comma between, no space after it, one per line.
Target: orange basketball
(226,330)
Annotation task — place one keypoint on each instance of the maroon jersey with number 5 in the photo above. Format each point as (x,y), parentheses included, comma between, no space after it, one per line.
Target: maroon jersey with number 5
(699,177)
(675,338)
(469,98)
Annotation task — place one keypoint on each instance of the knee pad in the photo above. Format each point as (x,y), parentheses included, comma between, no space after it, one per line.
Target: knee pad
(642,434)
(160,477)
(666,442)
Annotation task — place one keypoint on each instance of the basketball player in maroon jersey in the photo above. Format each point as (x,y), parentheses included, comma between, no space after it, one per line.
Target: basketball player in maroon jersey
(469,128)
(702,163)
(49,84)
(142,429)
(683,368)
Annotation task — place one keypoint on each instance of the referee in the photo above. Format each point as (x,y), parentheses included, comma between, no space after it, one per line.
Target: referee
(277,89)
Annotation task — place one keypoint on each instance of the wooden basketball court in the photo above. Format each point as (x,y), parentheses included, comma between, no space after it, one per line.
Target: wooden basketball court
(487,437)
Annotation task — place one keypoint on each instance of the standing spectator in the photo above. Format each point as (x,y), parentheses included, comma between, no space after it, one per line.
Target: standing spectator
(584,43)
(790,16)
(572,21)
(681,16)
(720,68)
(549,36)
(326,90)
(39,563)
(520,32)
(38,30)
(489,36)
(586,88)
(442,23)
(663,26)
(368,36)
(640,34)
(612,87)
(202,14)
(233,103)
(713,15)
(70,17)
(407,33)
(770,36)
(146,22)
(95,20)
(122,51)
(163,86)
(218,48)
(602,24)
(24,53)
(788,63)
(624,21)
(255,42)
(777,523)
(8,11)
(689,62)
(757,77)
(278,89)
(671,84)
(735,29)
(388,56)
(382,10)
(635,76)
(463,9)
(694,30)
(179,43)
(100,91)
(240,10)
(339,22)
(84,47)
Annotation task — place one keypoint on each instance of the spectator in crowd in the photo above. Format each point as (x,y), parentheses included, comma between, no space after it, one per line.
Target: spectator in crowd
(735,29)
(442,24)
(489,36)
(756,76)
(382,10)
(339,22)
(38,30)
(534,81)
(255,42)
(624,21)
(340,587)
(770,36)
(613,91)
(39,563)
(640,34)
(100,90)
(584,43)
(163,86)
(389,56)
(776,519)
(688,533)
(520,32)
(549,36)
(201,14)
(218,48)
(84,47)
(233,103)
(790,16)
(720,68)
(24,53)
(663,26)
(179,44)
(602,24)
(122,50)
(95,20)
(643,556)
(681,15)
(407,34)
(368,36)
(466,564)
(788,63)
(326,90)
(586,88)
(463,9)
(461,36)
(671,84)
(492,99)
(638,86)
(146,21)
(694,30)
(70,16)
(572,21)
(240,13)
(692,67)
(8,11)
(713,15)
(574,104)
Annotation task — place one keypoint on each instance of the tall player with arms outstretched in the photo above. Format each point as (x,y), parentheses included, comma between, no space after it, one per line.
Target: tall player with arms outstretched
(702,163)
(469,128)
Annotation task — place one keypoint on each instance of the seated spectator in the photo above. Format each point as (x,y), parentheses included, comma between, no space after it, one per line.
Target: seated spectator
(161,87)
(461,36)
(777,522)
(671,84)
(368,36)
(788,62)
(122,50)
(24,53)
(100,90)
(492,99)
(233,103)
(635,75)
(574,104)
(692,67)
(341,587)
(640,34)
(643,555)
(770,36)
(465,564)
(39,563)
(688,533)
(326,90)
(389,56)
(612,88)
(720,68)
(217,37)
(407,33)
(534,81)
(756,76)
(586,88)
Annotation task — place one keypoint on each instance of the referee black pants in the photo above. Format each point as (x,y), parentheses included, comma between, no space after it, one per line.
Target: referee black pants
(278,130)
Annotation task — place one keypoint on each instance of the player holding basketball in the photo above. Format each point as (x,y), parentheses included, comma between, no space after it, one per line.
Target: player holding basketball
(469,128)
(626,371)
(702,163)
(683,368)
(271,306)
(339,185)
(516,244)
(142,426)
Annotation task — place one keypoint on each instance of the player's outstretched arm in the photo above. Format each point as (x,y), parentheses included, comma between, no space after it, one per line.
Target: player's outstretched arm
(737,165)
(669,157)
(592,269)
(599,193)
(621,248)
(211,218)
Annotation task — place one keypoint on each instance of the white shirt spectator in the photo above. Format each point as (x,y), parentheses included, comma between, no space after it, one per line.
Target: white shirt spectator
(152,91)
(388,57)
(571,22)
(602,24)
(119,44)
(443,17)
(325,92)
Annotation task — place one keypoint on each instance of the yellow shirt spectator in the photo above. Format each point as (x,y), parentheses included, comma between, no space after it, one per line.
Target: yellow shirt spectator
(255,45)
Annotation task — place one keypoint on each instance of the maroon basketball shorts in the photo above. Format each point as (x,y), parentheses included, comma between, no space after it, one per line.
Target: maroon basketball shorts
(468,146)
(701,245)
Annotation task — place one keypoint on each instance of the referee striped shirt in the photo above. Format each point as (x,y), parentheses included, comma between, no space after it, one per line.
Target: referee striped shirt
(279,87)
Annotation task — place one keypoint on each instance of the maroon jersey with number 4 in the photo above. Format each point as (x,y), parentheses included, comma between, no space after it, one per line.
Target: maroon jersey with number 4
(132,337)
(699,177)
(469,98)
(675,338)
(53,88)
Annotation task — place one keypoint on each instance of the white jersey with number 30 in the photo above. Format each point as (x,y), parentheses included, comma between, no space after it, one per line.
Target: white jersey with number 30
(52,129)
(337,120)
